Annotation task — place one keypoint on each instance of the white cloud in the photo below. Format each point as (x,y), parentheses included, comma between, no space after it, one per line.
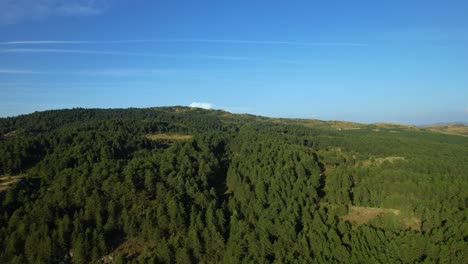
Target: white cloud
(202,105)
(466,109)
(12,12)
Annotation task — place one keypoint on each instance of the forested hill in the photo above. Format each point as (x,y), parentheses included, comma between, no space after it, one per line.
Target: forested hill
(186,185)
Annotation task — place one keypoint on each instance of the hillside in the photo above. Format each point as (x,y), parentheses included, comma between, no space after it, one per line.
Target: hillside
(186,185)
(449,128)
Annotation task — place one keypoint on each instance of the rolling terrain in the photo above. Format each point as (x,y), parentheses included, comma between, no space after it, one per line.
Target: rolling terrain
(449,128)
(186,185)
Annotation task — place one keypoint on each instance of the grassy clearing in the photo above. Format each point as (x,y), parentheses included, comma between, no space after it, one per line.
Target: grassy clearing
(169,137)
(10,134)
(7,181)
(394,126)
(131,248)
(362,215)
(413,223)
(450,129)
(134,247)
(343,125)
(382,218)
(380,161)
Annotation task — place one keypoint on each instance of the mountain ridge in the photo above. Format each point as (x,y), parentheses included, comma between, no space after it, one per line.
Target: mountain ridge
(449,128)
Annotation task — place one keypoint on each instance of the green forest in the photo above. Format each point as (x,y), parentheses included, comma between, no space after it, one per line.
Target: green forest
(186,185)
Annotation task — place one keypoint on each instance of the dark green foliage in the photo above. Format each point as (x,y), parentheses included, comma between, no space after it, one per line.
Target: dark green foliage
(244,189)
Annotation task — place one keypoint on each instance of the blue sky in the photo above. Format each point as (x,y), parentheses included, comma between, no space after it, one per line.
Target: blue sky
(365,61)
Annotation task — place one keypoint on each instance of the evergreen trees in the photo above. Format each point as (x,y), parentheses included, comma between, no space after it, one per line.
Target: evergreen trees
(244,189)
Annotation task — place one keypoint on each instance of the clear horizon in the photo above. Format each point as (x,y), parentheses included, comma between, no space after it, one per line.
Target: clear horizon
(363,62)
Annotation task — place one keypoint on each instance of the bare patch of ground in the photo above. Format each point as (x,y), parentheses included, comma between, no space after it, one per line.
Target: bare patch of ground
(169,137)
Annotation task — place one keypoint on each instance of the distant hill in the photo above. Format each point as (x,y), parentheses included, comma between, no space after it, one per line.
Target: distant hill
(449,128)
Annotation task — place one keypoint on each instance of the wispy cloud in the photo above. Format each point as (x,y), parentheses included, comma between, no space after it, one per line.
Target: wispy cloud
(144,72)
(118,53)
(41,42)
(203,105)
(220,41)
(123,72)
(34,50)
(15,71)
(12,12)
(266,42)
(74,84)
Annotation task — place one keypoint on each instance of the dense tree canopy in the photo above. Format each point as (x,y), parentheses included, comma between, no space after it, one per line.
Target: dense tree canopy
(90,186)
